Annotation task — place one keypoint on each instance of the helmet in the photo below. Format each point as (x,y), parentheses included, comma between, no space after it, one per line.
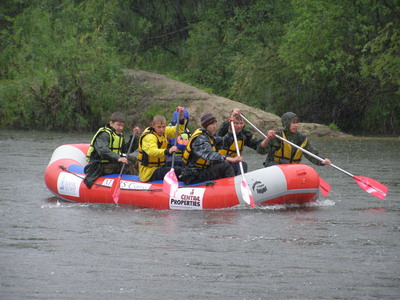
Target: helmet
(176,116)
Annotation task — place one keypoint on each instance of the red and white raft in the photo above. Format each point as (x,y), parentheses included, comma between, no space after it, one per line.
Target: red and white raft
(277,185)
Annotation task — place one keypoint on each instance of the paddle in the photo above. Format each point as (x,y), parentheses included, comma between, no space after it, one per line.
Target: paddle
(324,187)
(170,183)
(244,187)
(369,185)
(116,189)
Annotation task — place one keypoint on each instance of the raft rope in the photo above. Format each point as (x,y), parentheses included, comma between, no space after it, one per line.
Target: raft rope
(207,183)
(66,170)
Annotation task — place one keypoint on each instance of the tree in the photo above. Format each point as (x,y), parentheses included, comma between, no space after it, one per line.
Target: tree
(62,73)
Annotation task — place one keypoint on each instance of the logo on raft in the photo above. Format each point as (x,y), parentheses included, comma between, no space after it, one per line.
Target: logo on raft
(259,187)
(187,198)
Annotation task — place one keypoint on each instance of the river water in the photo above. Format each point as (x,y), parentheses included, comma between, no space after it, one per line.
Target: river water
(345,246)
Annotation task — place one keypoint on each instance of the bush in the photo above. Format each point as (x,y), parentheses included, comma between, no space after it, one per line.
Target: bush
(58,77)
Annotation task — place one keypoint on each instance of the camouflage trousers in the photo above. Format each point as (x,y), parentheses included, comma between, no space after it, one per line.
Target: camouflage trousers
(96,169)
(131,168)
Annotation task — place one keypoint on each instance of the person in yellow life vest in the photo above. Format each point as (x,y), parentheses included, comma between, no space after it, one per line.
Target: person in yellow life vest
(105,154)
(244,137)
(182,139)
(153,149)
(202,161)
(280,152)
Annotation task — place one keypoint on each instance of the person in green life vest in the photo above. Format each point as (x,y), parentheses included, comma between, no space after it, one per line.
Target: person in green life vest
(279,152)
(107,151)
(244,138)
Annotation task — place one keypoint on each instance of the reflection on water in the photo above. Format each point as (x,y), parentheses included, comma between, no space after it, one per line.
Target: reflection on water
(343,246)
(375,210)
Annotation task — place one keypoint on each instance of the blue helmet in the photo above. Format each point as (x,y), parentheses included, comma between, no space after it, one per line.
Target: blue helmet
(176,116)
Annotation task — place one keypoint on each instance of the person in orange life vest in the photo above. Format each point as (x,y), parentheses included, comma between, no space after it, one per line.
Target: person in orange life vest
(182,139)
(244,137)
(153,148)
(105,154)
(280,152)
(202,161)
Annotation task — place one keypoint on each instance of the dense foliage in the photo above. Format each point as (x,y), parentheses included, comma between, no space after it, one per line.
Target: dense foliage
(331,61)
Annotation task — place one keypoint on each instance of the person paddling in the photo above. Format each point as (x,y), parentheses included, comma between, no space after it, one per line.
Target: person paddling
(105,154)
(202,160)
(153,148)
(182,139)
(279,152)
(244,137)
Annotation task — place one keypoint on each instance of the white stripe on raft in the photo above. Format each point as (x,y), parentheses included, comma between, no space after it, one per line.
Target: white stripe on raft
(68,152)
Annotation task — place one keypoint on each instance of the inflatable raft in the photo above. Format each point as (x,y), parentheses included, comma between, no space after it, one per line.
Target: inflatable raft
(277,185)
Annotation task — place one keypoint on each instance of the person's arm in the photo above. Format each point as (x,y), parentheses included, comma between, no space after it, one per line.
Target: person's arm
(102,147)
(170,131)
(313,150)
(267,144)
(227,140)
(250,139)
(150,146)
(202,148)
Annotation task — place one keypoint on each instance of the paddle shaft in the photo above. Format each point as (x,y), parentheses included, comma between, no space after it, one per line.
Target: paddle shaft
(244,187)
(127,154)
(176,137)
(298,147)
(237,148)
(313,155)
(117,185)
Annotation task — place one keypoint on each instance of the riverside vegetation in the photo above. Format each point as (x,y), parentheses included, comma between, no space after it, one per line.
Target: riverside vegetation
(63,62)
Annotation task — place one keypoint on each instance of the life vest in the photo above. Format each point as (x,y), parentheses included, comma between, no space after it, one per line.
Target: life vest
(231,151)
(151,161)
(200,162)
(116,142)
(285,152)
(181,142)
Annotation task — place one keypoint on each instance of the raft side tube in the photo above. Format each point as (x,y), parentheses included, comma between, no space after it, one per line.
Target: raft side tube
(264,184)
(70,152)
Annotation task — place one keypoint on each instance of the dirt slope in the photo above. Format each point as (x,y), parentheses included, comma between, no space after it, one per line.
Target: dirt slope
(159,92)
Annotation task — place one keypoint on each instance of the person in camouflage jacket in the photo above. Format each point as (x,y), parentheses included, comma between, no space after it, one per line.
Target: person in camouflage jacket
(279,152)
(202,161)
